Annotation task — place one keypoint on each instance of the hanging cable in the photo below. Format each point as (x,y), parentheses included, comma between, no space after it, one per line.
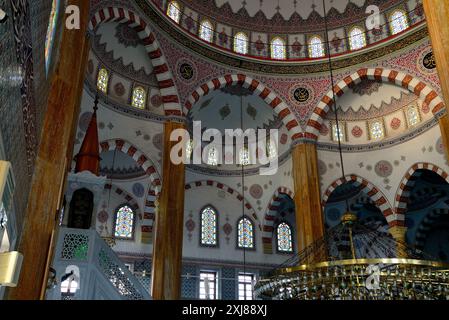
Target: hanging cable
(334,99)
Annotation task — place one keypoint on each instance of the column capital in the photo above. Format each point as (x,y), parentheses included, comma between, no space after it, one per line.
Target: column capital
(398,232)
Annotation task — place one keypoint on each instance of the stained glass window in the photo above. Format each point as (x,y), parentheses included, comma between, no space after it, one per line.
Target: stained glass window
(206,31)
(174,11)
(209,227)
(284,238)
(278,50)
(244,157)
(316,47)
(241,43)
(124,222)
(272,152)
(139,98)
(245,234)
(102,81)
(376,129)
(413,116)
(357,38)
(189,149)
(398,22)
(51,31)
(212,157)
(338,132)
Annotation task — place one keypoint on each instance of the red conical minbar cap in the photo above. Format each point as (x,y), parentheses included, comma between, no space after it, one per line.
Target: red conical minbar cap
(88,158)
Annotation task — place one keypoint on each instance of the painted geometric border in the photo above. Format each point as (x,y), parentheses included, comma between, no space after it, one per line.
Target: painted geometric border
(162,71)
(405,80)
(254,86)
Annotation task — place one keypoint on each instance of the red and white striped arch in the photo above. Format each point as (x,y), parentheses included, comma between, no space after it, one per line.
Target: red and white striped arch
(161,69)
(370,190)
(128,198)
(402,79)
(155,186)
(229,190)
(270,216)
(408,182)
(257,88)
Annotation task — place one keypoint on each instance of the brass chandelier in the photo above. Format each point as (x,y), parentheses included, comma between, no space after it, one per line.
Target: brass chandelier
(357,262)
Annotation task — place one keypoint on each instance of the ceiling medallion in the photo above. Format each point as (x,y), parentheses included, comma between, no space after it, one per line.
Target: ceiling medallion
(301,94)
(186,70)
(429,61)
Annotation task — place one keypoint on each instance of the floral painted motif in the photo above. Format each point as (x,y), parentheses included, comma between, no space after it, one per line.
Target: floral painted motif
(357,132)
(395,124)
(383,169)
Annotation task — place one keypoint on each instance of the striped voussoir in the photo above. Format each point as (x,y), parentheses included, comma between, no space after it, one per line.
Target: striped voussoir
(155,186)
(127,197)
(228,190)
(164,76)
(257,88)
(408,182)
(426,225)
(370,190)
(411,83)
(270,216)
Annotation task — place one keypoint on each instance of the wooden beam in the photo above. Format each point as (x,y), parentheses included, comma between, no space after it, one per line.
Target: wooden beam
(61,115)
(168,235)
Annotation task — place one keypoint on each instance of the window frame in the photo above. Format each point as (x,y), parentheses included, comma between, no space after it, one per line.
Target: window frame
(253,280)
(237,234)
(217,228)
(145,101)
(277,238)
(342,127)
(309,46)
(363,34)
(246,42)
(390,20)
(212,29)
(178,7)
(370,125)
(217,282)
(108,79)
(133,232)
(284,44)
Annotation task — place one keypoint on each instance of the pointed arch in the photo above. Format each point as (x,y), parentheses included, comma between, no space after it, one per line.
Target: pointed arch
(407,183)
(257,88)
(148,166)
(370,190)
(407,81)
(126,196)
(270,215)
(162,71)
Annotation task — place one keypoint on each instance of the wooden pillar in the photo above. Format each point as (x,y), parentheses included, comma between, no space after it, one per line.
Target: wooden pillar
(437,16)
(399,234)
(168,235)
(50,167)
(309,217)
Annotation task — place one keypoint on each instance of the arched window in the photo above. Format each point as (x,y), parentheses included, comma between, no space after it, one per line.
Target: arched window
(102,80)
(206,31)
(284,238)
(377,130)
(241,43)
(51,31)
(174,11)
(244,158)
(398,22)
(209,227)
(316,47)
(139,98)
(245,234)
(357,38)
(278,50)
(124,223)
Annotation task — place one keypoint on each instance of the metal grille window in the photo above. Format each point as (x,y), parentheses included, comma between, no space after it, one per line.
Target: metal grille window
(208,285)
